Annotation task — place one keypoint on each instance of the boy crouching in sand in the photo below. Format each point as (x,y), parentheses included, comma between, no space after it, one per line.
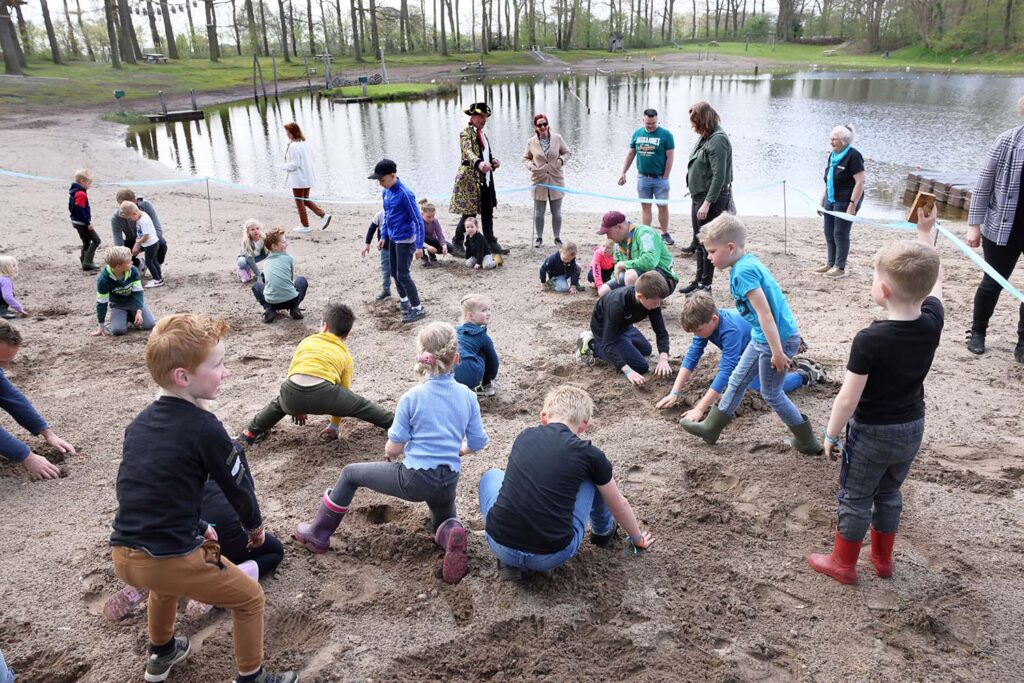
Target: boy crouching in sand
(535,513)
(318,382)
(159,540)
(119,288)
(883,393)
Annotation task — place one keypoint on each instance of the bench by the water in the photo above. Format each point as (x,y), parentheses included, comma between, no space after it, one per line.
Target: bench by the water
(950,188)
(155,57)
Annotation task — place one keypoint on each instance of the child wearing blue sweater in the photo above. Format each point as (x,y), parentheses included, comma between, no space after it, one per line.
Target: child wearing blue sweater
(402,231)
(436,423)
(726,329)
(478,364)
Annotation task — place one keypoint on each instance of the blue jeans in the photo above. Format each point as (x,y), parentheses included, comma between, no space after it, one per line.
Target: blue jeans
(878,459)
(560,283)
(385,270)
(793,381)
(633,348)
(6,675)
(652,188)
(756,361)
(589,503)
(399,265)
(837,233)
(119,319)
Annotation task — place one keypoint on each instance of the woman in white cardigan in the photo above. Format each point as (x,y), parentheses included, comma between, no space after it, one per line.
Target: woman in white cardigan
(298,163)
(544,158)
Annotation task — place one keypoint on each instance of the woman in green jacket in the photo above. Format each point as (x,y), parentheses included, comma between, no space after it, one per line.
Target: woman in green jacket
(709,179)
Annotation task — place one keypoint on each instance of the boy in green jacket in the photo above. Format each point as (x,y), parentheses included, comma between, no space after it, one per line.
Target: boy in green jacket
(640,249)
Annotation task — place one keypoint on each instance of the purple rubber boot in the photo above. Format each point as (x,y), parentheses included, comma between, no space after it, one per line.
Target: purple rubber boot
(316,535)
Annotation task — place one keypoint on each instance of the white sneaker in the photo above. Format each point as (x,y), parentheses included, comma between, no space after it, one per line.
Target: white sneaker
(325,221)
(302,228)
(154,283)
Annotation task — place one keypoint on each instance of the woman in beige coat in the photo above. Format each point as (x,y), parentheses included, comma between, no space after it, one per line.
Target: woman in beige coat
(544,158)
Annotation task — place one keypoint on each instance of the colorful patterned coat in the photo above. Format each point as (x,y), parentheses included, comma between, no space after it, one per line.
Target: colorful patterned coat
(466,193)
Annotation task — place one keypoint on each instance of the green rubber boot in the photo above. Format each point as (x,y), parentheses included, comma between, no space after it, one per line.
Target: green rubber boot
(711,428)
(803,438)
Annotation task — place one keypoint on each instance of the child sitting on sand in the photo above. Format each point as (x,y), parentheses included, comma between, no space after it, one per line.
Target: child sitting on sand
(374,235)
(146,240)
(602,265)
(119,288)
(81,218)
(726,329)
(160,541)
(434,242)
(431,422)
(478,361)
(253,251)
(478,251)
(278,288)
(10,307)
(535,512)
(319,381)
(559,271)
(883,393)
(774,337)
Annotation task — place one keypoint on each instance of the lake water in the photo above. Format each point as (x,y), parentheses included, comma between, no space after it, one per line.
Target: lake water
(779,126)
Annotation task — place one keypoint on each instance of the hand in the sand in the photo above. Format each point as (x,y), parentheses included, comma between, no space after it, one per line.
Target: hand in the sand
(645,541)
(57,442)
(444,249)
(299,419)
(329,433)
(39,467)
(694,415)
(780,362)
(210,534)
(662,369)
(429,249)
(667,402)
(573,290)
(365,250)
(476,267)
(636,378)
(23,314)
(138,319)
(98,332)
(974,236)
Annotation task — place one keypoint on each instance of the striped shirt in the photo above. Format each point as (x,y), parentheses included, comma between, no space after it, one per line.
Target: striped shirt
(995,196)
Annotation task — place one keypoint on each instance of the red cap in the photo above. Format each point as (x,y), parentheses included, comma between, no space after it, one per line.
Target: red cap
(610,220)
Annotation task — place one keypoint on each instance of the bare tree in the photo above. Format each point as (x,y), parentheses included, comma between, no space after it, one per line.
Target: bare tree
(72,43)
(444,38)
(374,36)
(1007,25)
(291,29)
(211,31)
(284,30)
(263,27)
(115,51)
(451,24)
(51,35)
(191,27)
(85,36)
(172,48)
(309,23)
(357,48)
(151,15)
(9,43)
(250,21)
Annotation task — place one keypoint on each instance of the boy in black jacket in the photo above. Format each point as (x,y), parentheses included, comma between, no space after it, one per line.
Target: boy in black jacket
(81,218)
(612,336)
(560,271)
(159,541)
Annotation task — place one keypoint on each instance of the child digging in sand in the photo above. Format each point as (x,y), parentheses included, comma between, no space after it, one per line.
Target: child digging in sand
(478,251)
(535,512)
(436,423)
(774,338)
(160,542)
(881,403)
(10,307)
(559,271)
(478,361)
(319,381)
(119,288)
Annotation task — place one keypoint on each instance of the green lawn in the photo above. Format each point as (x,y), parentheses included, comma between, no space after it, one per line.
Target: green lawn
(394,91)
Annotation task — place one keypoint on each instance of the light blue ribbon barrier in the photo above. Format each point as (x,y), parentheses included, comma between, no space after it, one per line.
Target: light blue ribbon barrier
(122,183)
(614,198)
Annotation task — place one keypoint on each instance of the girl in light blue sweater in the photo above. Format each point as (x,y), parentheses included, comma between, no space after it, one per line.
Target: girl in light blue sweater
(436,423)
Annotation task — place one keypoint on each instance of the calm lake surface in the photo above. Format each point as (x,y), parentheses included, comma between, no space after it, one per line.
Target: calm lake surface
(779,127)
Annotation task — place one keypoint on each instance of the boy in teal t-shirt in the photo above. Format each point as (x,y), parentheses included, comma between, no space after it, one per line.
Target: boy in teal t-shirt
(653,147)
(774,338)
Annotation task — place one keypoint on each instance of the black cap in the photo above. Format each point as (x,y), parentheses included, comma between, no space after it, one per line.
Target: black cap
(480,108)
(384,167)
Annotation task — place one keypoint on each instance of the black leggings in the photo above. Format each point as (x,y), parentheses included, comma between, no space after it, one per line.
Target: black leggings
(488,200)
(705,269)
(1003,259)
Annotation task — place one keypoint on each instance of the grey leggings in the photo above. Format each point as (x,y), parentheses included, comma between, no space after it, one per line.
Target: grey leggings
(556,217)
(435,487)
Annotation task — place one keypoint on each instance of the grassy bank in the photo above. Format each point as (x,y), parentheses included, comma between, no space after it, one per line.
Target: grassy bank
(393,92)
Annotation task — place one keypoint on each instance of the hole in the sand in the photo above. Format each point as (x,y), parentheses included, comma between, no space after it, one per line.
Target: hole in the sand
(380,514)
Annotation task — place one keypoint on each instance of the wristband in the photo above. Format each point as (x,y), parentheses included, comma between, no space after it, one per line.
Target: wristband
(676,394)
(628,371)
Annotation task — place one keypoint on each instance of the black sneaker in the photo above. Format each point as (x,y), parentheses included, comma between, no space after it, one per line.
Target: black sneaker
(537,243)
(458,250)
(158,668)
(414,314)
(558,242)
(1018,352)
(667,239)
(693,286)
(496,248)
(976,342)
(383,295)
(296,313)
(268,316)
(265,676)
(604,540)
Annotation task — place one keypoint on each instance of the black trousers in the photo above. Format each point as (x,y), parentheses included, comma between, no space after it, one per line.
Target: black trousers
(488,200)
(1003,259)
(705,269)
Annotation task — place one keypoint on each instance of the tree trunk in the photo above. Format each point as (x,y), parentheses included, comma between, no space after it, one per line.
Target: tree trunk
(151,15)
(72,41)
(309,24)
(444,37)
(234,25)
(115,50)
(26,44)
(508,27)
(408,25)
(284,30)
(357,43)
(1008,26)
(423,22)
(211,31)
(191,29)
(9,43)
(250,22)
(458,28)
(263,27)
(374,35)
(531,18)
(172,48)
(291,29)
(50,34)
(451,23)
(323,26)
(85,36)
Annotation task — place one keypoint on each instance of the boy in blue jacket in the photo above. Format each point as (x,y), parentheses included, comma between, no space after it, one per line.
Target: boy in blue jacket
(403,232)
(478,361)
(81,218)
(560,271)
(726,329)
(20,408)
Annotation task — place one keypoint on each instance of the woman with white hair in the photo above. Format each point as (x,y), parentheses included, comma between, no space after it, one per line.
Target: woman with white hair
(844,191)
(996,224)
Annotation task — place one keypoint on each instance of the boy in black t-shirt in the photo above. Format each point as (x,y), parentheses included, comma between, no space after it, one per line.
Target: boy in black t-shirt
(535,513)
(883,393)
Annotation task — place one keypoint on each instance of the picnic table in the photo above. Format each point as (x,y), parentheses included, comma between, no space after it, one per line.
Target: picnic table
(155,57)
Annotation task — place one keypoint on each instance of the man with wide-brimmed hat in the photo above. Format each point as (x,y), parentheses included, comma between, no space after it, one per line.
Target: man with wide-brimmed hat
(474,183)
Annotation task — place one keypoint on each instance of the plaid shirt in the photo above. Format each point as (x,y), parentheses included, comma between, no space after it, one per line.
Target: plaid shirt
(995,196)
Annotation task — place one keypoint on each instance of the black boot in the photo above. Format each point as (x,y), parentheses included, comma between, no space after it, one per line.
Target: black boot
(496,247)
(690,250)
(976,342)
(689,288)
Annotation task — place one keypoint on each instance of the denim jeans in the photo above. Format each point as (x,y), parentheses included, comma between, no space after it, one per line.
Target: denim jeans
(560,283)
(877,460)
(633,348)
(119,320)
(435,487)
(793,381)
(6,675)
(652,188)
(399,264)
(250,263)
(837,233)
(756,361)
(385,270)
(589,503)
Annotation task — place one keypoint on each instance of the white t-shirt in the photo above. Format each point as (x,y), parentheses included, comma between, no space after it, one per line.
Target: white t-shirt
(145,231)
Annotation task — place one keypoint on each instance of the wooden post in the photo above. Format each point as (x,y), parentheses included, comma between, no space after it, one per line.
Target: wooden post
(273,60)
(785,219)
(163,102)
(194,107)
(209,204)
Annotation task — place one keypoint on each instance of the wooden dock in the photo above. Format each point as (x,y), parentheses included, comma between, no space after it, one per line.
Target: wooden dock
(951,189)
(187,115)
(350,100)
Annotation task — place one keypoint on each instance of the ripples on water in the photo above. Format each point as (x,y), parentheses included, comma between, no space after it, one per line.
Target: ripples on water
(779,127)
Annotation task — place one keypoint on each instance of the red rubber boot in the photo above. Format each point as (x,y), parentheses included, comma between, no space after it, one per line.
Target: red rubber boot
(451,536)
(881,552)
(841,565)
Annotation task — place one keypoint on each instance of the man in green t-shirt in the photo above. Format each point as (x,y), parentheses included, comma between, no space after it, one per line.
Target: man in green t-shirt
(639,249)
(654,150)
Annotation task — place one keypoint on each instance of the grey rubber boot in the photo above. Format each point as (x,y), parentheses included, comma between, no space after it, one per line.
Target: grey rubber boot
(711,428)
(87,258)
